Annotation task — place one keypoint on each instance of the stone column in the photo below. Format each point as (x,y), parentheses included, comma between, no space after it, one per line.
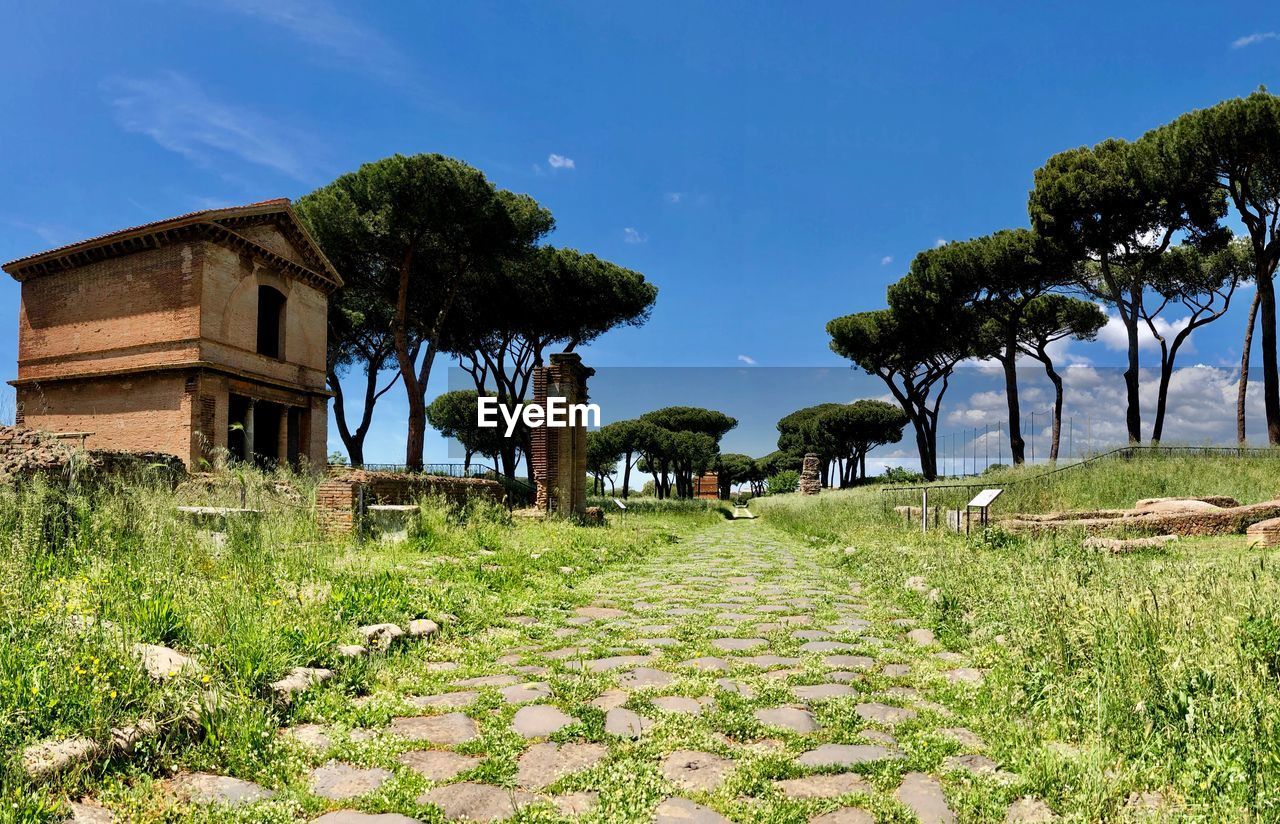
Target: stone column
(559,455)
(248,431)
(810,478)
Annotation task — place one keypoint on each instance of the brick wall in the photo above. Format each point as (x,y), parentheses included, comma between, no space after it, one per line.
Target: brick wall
(338,498)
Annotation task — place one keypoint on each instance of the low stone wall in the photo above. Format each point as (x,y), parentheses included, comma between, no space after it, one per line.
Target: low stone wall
(1225,521)
(338,497)
(26,453)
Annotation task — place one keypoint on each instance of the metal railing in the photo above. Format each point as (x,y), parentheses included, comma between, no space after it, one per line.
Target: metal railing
(948,497)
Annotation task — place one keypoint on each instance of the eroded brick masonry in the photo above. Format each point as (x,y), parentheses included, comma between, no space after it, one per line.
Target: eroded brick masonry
(199,336)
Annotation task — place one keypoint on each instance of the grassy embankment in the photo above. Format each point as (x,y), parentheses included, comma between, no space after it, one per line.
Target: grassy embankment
(1158,669)
(278,594)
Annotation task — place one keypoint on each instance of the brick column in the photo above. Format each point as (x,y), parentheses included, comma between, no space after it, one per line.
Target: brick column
(810,477)
(559,455)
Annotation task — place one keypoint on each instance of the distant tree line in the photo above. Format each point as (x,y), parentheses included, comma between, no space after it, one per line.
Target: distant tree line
(439,262)
(1136,226)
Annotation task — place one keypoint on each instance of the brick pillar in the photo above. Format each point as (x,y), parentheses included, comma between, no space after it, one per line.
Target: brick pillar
(559,455)
(810,477)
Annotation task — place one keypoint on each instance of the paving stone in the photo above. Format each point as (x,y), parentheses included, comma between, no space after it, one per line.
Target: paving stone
(448,730)
(810,635)
(338,781)
(884,713)
(352,650)
(625,723)
(921,637)
(852,625)
(736,687)
(678,704)
(790,718)
(827,646)
(610,699)
(540,720)
(738,644)
(642,677)
(163,663)
(965,675)
(522,693)
(87,812)
(844,676)
(1029,810)
(879,737)
(380,635)
(617,661)
(769,661)
(205,788)
(356,817)
(470,801)
(531,669)
(822,692)
(845,755)
(823,786)
(707,664)
(659,643)
(578,803)
(895,670)
(446,700)
(976,764)
(852,662)
(565,653)
(52,757)
(599,613)
(488,681)
(693,770)
(963,736)
(314,736)
(439,765)
(844,815)
(544,764)
(922,794)
(423,628)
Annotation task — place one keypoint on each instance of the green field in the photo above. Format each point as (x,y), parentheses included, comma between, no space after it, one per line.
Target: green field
(1113,687)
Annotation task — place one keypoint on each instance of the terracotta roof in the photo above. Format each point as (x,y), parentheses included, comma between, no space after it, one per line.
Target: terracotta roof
(21,265)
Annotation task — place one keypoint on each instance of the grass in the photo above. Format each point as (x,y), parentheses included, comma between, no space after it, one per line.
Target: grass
(1158,670)
(275,595)
(1114,482)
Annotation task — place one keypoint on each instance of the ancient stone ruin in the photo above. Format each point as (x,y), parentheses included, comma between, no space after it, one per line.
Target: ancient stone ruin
(810,477)
(27,453)
(199,336)
(559,454)
(1204,515)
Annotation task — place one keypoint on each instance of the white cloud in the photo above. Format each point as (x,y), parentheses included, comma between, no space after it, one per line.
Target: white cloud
(633,235)
(1254,39)
(176,113)
(940,242)
(559,161)
(1115,337)
(886,260)
(673,197)
(747,359)
(320,24)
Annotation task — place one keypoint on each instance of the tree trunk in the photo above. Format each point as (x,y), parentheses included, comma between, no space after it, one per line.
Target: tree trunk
(1010,363)
(1270,369)
(1056,380)
(1243,390)
(626,474)
(1133,410)
(354,445)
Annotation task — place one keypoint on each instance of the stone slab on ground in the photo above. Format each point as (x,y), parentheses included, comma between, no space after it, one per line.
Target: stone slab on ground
(439,765)
(684,811)
(540,720)
(470,801)
(448,730)
(357,817)
(337,781)
(823,786)
(206,788)
(922,794)
(694,770)
(846,755)
(544,764)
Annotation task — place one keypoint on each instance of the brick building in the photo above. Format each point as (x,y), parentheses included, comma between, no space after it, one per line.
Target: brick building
(186,336)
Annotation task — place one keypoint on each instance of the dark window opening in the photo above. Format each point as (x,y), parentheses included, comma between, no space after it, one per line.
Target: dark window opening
(270,322)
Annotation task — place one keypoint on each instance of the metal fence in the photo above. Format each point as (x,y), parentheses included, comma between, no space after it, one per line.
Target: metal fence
(943,502)
(519,491)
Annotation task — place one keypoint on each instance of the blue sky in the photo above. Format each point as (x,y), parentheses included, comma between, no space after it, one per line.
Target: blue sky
(769,166)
